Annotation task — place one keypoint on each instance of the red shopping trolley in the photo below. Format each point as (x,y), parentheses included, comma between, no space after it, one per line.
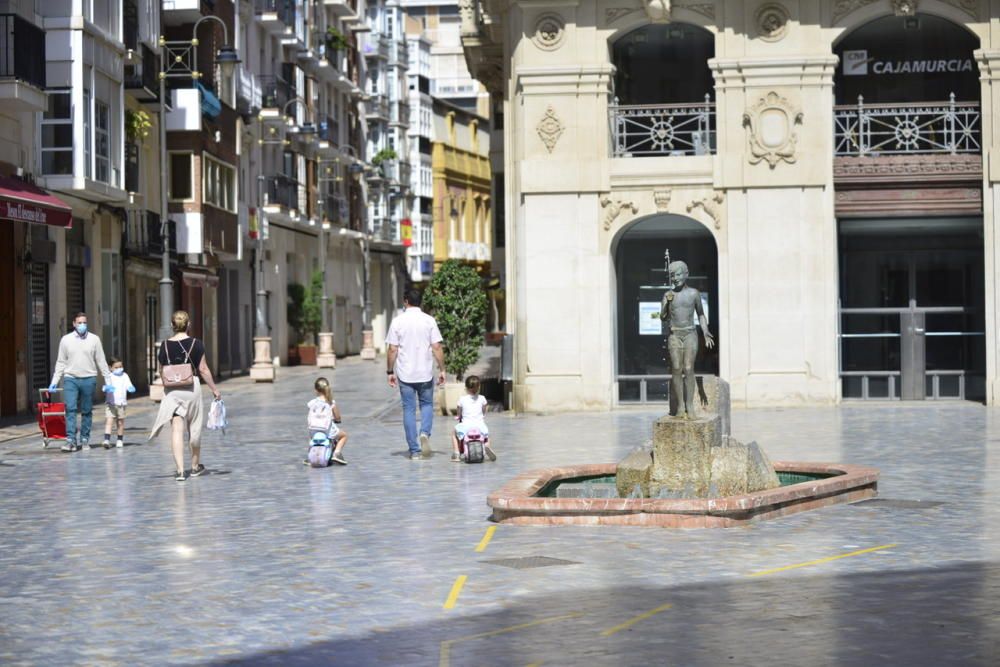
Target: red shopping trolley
(51,416)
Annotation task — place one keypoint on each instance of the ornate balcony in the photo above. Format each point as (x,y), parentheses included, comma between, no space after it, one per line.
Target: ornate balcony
(662,129)
(876,130)
(144,235)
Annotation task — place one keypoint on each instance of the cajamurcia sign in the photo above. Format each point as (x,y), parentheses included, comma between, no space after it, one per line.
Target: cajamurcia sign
(856,63)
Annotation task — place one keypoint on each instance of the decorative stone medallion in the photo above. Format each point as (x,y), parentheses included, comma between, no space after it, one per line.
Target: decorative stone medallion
(550,128)
(771,130)
(771,20)
(549,32)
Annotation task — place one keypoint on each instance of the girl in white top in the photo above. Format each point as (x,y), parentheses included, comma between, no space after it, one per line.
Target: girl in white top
(471,414)
(324,397)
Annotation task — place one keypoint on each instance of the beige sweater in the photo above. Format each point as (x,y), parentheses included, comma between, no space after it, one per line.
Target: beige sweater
(81,358)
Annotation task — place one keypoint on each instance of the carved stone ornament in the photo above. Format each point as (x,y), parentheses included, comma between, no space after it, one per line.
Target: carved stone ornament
(550,128)
(712,205)
(771,20)
(613,208)
(661,198)
(904,7)
(970,7)
(658,11)
(842,8)
(706,9)
(612,14)
(771,130)
(549,32)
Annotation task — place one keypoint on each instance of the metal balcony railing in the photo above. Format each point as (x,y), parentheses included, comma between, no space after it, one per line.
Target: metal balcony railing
(663,129)
(142,75)
(144,234)
(130,25)
(329,130)
(907,129)
(22,50)
(281,190)
(275,92)
(248,93)
(285,9)
(131,167)
(377,106)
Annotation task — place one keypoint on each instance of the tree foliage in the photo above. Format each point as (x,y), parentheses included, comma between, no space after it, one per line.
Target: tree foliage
(293,309)
(456,299)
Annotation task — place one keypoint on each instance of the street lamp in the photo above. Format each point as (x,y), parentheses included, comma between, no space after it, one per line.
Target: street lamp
(356,167)
(179,59)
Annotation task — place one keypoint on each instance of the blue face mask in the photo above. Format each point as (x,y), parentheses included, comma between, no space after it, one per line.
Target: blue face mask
(119,371)
(81,328)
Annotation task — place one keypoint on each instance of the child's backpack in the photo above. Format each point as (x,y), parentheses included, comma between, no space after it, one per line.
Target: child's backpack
(474,446)
(320,416)
(320,451)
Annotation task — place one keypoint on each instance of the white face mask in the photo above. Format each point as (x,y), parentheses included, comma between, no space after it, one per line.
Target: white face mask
(119,371)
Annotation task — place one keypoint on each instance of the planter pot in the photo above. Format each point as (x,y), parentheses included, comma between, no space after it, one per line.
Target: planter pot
(450,393)
(293,356)
(307,355)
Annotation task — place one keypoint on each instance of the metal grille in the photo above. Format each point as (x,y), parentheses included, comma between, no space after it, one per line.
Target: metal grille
(74,293)
(897,129)
(38,281)
(663,129)
(528,562)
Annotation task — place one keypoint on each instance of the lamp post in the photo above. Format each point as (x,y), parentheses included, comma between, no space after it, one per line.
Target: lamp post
(179,59)
(357,167)
(326,357)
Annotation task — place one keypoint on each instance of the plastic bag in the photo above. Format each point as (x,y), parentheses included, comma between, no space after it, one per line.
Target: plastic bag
(217,417)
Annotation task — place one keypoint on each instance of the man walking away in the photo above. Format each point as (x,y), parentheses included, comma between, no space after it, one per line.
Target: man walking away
(80,358)
(414,344)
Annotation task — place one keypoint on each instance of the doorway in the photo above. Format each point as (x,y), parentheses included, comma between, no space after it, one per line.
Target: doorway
(912,323)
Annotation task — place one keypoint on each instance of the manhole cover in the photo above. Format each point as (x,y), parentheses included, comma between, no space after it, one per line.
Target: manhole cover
(897,504)
(528,562)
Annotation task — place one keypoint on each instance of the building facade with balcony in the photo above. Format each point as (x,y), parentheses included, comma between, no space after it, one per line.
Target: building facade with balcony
(32,221)
(420,254)
(823,168)
(462,187)
(384,49)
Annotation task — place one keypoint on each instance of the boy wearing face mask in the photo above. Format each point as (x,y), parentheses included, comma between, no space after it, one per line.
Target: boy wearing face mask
(80,359)
(117,392)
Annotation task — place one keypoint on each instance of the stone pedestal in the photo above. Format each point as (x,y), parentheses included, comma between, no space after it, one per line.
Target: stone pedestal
(713,398)
(263,368)
(368,345)
(326,358)
(738,469)
(634,470)
(682,456)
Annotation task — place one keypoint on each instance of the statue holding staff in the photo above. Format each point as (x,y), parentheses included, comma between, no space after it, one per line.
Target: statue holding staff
(677,309)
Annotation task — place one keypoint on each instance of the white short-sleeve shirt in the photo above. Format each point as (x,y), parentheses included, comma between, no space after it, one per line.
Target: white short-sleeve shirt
(472,407)
(414,331)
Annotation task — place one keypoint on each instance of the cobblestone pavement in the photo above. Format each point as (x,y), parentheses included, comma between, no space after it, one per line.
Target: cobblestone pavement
(105,560)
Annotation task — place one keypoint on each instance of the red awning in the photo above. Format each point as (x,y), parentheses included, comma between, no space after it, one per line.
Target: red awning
(24,202)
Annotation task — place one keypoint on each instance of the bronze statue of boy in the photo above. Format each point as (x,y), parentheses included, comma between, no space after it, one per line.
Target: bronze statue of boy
(677,309)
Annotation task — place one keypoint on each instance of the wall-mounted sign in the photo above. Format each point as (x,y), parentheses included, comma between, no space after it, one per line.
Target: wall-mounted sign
(649,319)
(858,63)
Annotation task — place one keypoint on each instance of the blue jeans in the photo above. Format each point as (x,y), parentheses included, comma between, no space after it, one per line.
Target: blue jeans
(79,395)
(411,392)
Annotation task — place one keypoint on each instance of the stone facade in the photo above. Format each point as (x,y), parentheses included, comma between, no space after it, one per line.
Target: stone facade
(767,195)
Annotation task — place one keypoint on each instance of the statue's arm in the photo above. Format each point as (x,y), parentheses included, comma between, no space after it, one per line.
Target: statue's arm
(702,320)
(665,306)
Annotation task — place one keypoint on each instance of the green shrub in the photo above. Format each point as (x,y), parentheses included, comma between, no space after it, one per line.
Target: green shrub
(293,310)
(456,299)
(312,307)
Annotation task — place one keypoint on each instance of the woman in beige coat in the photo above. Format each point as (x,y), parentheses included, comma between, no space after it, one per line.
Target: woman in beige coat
(181,407)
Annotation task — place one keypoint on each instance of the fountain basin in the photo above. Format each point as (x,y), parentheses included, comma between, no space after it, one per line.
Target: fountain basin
(519,501)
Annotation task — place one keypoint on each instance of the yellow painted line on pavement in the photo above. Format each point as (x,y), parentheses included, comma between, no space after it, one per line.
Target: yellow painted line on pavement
(635,619)
(486,538)
(820,561)
(446,645)
(534,664)
(456,588)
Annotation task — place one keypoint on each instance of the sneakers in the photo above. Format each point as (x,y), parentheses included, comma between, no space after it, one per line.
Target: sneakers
(68,447)
(490,454)
(425,447)
(86,447)
(107,444)
(416,456)
(338,458)
(456,458)
(197,471)
(119,444)
(180,476)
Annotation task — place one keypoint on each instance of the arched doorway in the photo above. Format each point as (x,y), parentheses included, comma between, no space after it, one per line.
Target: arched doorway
(910,235)
(664,99)
(641,361)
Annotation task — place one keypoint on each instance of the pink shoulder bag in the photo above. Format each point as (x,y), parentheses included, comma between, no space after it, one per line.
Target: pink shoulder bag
(175,376)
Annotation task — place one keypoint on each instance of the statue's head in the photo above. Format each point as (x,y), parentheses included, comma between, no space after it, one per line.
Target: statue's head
(678,272)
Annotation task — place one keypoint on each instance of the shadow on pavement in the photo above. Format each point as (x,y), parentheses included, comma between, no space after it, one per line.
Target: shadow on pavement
(936,616)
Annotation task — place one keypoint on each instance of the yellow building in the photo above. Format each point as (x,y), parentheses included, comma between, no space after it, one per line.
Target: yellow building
(461,175)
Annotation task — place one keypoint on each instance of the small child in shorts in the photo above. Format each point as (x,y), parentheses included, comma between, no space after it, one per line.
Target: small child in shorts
(116,395)
(471,414)
(337,436)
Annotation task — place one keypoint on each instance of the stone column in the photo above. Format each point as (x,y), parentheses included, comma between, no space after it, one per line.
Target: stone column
(989,67)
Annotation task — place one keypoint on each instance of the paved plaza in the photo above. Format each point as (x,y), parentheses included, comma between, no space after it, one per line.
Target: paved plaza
(106,560)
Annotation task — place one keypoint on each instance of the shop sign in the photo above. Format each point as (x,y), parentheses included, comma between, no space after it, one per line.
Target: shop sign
(858,63)
(406,232)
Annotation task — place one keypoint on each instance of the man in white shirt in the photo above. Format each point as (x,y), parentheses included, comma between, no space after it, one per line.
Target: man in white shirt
(414,345)
(80,359)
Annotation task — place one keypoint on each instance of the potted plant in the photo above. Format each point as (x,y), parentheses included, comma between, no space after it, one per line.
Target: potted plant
(383,156)
(293,313)
(312,319)
(335,41)
(456,299)
(137,125)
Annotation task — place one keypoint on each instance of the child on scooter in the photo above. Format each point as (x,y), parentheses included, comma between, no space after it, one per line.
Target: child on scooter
(471,414)
(324,415)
